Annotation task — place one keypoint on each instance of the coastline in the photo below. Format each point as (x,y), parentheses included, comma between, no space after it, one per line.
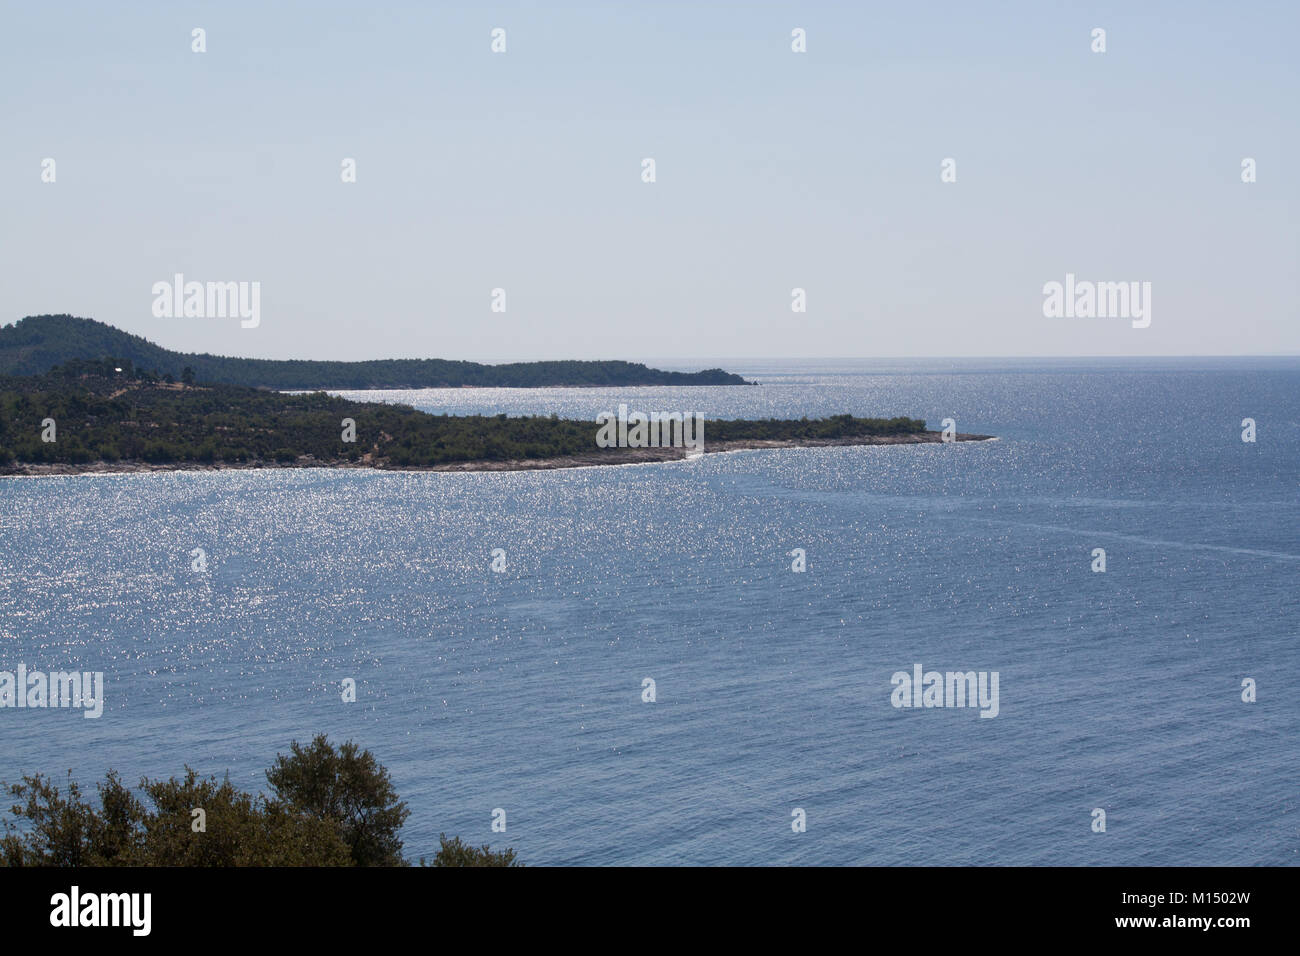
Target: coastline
(616,456)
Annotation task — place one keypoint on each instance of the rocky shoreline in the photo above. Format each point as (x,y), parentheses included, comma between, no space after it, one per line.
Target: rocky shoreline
(612,456)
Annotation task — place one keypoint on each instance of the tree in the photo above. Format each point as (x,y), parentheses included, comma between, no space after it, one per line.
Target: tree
(347,787)
(60,827)
(187,375)
(239,829)
(456,853)
(331,807)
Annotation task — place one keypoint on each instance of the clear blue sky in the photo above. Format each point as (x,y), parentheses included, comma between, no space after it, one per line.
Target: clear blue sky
(775,170)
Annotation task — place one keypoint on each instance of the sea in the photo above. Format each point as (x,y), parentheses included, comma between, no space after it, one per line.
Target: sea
(623,666)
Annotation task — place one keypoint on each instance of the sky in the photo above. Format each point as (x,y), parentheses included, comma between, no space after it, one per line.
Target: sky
(774,170)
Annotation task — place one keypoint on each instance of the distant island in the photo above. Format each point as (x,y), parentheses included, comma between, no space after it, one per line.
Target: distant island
(107,417)
(37,343)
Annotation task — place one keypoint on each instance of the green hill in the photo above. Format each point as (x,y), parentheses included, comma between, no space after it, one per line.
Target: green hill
(34,345)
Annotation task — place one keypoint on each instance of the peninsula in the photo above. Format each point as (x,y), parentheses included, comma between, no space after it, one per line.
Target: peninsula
(103,416)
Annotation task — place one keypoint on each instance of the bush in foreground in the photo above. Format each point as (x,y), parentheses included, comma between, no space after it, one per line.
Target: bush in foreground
(329,806)
(456,853)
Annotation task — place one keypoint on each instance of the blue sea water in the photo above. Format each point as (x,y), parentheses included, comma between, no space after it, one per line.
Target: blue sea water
(522,690)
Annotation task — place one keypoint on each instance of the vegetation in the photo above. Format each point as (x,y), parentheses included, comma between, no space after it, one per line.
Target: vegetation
(349,788)
(456,853)
(328,807)
(34,345)
(103,414)
(795,429)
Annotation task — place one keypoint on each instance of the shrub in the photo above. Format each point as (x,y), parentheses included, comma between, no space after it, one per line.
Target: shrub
(330,807)
(456,853)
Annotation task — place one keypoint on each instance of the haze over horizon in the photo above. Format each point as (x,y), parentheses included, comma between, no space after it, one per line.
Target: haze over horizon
(698,362)
(775,170)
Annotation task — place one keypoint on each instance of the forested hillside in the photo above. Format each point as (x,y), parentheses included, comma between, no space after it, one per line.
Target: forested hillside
(86,412)
(34,345)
